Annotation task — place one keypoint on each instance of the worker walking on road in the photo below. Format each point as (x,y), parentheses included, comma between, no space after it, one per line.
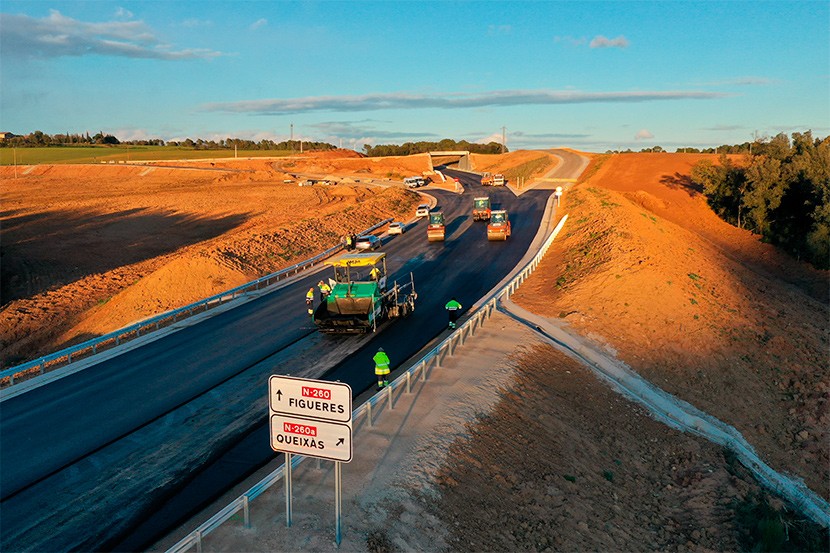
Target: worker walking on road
(453,310)
(382,368)
(325,290)
(309,301)
(349,242)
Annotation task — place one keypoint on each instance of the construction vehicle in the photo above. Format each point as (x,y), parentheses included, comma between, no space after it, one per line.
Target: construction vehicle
(481,208)
(499,226)
(498,180)
(487,179)
(435,230)
(360,299)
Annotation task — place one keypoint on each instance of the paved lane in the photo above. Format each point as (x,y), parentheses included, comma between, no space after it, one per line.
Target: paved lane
(165,413)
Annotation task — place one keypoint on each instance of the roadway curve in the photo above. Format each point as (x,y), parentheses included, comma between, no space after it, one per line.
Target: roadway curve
(114,456)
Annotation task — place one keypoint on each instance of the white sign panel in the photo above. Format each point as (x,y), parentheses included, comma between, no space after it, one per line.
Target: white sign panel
(315,399)
(312,438)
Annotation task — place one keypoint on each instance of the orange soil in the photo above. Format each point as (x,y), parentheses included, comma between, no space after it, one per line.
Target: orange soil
(700,308)
(88,249)
(643,268)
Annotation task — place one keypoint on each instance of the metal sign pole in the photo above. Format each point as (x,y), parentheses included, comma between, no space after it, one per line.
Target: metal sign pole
(288,485)
(338,497)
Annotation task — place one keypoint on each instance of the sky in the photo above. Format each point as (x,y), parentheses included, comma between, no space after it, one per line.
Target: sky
(594,76)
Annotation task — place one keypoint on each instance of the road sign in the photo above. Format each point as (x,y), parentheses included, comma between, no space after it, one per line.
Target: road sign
(312,438)
(310,417)
(314,399)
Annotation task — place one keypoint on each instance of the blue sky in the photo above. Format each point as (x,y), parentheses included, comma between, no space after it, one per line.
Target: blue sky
(590,75)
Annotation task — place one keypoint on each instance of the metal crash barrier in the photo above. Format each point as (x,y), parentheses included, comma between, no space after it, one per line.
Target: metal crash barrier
(368,410)
(31,369)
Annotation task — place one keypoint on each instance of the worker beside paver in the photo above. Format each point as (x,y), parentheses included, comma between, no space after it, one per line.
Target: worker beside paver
(325,290)
(382,368)
(453,310)
(309,301)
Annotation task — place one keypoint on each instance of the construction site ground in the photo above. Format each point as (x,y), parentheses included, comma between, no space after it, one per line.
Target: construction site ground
(511,445)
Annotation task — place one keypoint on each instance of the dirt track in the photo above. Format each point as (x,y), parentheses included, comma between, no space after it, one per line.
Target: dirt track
(701,309)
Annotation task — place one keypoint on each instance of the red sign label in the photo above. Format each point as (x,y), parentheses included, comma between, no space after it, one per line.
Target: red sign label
(302,429)
(317,393)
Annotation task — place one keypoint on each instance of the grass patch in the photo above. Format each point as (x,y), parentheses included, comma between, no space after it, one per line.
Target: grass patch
(529,169)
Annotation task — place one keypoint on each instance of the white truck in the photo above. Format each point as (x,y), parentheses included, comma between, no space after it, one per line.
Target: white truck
(414,182)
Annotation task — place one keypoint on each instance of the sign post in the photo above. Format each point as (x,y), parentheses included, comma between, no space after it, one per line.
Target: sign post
(311,418)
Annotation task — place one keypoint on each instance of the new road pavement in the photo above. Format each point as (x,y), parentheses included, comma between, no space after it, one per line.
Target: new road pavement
(117,454)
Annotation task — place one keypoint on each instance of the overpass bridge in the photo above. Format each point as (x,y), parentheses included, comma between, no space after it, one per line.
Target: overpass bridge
(453,159)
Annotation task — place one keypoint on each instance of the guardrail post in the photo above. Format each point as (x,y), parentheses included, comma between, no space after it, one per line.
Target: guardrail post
(246,511)
(198,541)
(69,357)
(389,395)
(423,371)
(369,412)
(408,382)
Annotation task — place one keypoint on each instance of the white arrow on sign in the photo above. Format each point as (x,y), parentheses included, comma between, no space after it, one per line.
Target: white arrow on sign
(303,397)
(312,438)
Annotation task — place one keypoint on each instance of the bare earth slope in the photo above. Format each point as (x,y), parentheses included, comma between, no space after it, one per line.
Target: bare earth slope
(89,249)
(558,461)
(699,308)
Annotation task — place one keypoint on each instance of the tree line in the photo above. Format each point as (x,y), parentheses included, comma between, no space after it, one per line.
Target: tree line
(39,139)
(780,191)
(744,148)
(409,148)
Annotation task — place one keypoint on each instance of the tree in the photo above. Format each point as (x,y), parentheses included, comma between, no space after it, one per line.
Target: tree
(764,190)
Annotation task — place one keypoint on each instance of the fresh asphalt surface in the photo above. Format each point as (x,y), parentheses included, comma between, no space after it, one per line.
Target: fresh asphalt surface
(102,407)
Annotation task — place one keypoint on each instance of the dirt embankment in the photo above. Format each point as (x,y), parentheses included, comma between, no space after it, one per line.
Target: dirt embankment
(699,308)
(89,249)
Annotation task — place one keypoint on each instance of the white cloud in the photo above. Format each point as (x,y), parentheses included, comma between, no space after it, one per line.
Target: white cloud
(643,134)
(741,81)
(57,35)
(600,41)
(261,22)
(123,13)
(495,137)
(570,41)
(497,98)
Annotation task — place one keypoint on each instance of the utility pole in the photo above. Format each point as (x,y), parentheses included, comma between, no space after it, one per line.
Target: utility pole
(503,131)
(291,139)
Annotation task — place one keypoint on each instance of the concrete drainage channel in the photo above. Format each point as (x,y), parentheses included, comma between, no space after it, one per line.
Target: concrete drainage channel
(673,411)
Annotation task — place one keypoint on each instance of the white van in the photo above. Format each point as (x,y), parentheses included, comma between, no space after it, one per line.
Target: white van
(414,182)
(422,210)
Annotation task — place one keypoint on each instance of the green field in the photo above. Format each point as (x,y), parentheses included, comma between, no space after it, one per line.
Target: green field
(105,154)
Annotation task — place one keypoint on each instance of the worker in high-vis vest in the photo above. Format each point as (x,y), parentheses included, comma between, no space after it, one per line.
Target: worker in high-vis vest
(325,290)
(309,301)
(382,368)
(453,310)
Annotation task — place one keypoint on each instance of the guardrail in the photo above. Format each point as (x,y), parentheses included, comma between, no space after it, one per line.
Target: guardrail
(432,359)
(65,356)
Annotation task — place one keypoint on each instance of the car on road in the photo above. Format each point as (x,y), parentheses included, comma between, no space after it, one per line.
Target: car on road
(396,227)
(414,182)
(367,242)
(422,210)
